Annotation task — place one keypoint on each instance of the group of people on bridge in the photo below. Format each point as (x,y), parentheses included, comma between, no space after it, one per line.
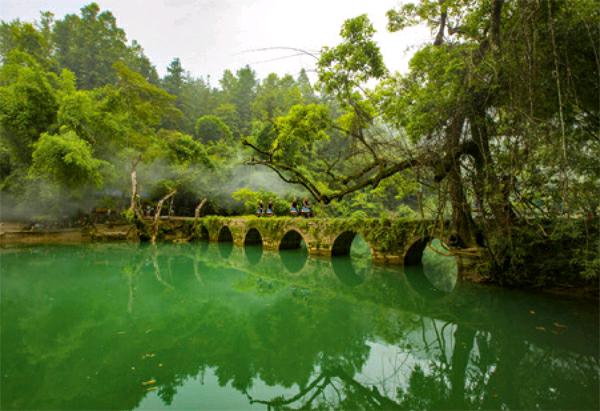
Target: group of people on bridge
(304,211)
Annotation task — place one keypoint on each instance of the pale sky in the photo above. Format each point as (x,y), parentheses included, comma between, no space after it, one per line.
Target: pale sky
(210,36)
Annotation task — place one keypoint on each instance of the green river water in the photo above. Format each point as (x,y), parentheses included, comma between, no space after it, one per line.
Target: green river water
(212,326)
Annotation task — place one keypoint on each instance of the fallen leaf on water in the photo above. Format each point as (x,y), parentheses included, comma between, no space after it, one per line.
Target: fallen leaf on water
(531,312)
(540,328)
(121,332)
(151,389)
(160,364)
(149,382)
(558,325)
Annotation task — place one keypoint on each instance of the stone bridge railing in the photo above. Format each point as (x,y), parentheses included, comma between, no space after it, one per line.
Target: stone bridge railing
(391,241)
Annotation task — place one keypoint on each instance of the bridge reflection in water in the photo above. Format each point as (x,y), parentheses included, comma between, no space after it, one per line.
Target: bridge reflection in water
(193,326)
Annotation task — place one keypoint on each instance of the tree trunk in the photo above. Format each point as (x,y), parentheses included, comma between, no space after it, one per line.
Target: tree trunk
(134,184)
(461,211)
(198,209)
(154,232)
(439,38)
(133,189)
(463,345)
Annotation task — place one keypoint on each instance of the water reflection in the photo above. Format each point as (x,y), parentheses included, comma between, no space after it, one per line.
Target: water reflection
(253,253)
(201,246)
(225,249)
(352,266)
(344,269)
(126,327)
(203,233)
(293,260)
(433,271)
(420,283)
(440,266)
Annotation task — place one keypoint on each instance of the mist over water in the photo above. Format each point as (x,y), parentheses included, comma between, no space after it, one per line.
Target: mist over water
(43,199)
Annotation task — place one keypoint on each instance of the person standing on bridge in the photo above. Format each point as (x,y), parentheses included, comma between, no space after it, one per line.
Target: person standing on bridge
(270,208)
(306,211)
(294,208)
(261,208)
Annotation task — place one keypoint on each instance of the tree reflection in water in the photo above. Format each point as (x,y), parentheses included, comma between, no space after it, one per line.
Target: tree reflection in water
(87,327)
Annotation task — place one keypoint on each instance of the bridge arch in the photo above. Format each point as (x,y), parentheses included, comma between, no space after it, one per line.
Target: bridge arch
(350,270)
(430,271)
(414,254)
(291,253)
(253,236)
(291,240)
(225,235)
(342,243)
(253,246)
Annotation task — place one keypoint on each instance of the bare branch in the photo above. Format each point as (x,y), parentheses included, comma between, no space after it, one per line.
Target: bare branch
(298,50)
(157,215)
(199,208)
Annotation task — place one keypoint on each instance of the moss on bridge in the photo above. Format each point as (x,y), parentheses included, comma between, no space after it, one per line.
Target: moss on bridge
(389,239)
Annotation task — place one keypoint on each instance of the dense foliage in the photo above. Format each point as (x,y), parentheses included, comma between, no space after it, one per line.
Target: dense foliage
(494,126)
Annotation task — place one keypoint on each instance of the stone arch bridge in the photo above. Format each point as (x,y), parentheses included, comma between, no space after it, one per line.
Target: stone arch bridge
(391,241)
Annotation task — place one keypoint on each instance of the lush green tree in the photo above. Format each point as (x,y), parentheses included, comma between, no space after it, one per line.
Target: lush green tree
(29,99)
(196,99)
(275,96)
(136,60)
(212,128)
(141,105)
(475,123)
(306,89)
(183,149)
(173,81)
(250,199)
(90,44)
(25,37)
(514,121)
(240,91)
(67,160)
(178,162)
(228,112)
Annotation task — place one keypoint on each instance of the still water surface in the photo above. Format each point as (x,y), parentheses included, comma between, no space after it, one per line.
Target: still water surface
(199,326)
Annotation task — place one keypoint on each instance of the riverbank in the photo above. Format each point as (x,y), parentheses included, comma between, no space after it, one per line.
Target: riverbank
(27,233)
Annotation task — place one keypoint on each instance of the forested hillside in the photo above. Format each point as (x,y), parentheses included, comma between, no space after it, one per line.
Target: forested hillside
(495,127)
